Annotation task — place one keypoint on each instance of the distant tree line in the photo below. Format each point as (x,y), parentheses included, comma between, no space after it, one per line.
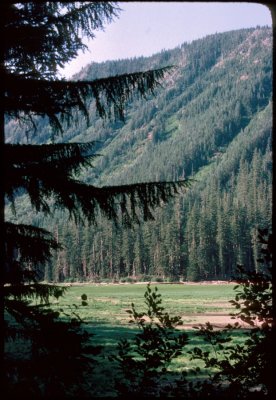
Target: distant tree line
(202,235)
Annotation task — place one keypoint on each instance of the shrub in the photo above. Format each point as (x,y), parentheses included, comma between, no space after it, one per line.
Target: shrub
(243,372)
(143,362)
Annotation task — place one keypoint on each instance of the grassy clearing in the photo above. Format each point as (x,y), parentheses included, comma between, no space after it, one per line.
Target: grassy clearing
(106,314)
(107,304)
(107,319)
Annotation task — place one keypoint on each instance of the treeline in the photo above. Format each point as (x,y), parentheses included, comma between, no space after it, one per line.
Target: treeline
(211,122)
(202,235)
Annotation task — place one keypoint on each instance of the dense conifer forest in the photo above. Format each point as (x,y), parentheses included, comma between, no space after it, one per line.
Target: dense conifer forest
(210,122)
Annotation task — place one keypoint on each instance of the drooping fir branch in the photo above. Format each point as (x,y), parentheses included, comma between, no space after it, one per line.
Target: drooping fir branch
(45,173)
(27,248)
(33,244)
(131,202)
(28,166)
(58,100)
(70,157)
(34,291)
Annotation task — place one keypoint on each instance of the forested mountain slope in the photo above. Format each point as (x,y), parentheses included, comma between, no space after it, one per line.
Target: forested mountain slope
(212,122)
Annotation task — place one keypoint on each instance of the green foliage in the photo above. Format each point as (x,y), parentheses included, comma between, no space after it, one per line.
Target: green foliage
(245,371)
(105,318)
(144,361)
(234,370)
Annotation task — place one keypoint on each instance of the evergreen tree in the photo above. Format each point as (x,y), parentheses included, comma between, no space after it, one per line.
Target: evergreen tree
(38,39)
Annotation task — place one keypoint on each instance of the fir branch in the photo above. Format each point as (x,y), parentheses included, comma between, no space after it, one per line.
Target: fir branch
(131,202)
(35,291)
(69,156)
(28,165)
(34,244)
(58,99)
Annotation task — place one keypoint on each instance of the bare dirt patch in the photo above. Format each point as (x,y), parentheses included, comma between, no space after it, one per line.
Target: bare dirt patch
(218,320)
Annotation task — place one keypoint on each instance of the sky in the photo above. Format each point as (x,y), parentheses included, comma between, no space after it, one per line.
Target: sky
(145,28)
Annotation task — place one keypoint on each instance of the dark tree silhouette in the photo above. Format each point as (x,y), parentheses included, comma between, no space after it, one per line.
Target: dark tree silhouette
(36,39)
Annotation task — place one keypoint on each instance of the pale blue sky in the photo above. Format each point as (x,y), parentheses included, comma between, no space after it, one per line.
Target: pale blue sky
(145,28)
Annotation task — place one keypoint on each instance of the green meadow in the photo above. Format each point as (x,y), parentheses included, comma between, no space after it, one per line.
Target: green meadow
(107,303)
(106,317)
